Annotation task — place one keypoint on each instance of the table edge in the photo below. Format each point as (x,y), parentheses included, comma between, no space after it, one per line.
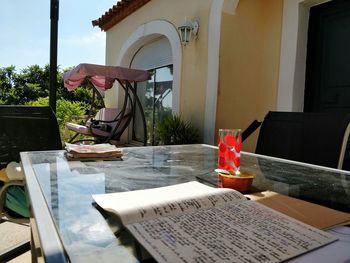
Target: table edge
(50,242)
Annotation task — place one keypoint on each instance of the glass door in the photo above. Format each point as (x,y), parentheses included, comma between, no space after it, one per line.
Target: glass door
(156,99)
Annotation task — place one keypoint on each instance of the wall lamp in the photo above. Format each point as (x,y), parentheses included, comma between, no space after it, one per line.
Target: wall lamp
(188,29)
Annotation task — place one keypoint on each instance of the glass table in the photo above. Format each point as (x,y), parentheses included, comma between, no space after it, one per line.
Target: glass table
(67,226)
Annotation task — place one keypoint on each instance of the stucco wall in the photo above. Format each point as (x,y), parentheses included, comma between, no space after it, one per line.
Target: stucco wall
(194,55)
(249,64)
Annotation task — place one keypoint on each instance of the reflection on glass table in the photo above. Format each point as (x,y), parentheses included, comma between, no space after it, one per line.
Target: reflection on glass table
(61,192)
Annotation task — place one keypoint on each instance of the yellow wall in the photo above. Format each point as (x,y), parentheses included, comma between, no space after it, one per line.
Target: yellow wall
(249,58)
(194,55)
(249,64)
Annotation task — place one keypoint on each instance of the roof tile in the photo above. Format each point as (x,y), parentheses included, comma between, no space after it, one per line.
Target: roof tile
(118,12)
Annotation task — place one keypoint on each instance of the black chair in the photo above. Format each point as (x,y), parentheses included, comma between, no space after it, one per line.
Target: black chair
(316,138)
(26,128)
(23,128)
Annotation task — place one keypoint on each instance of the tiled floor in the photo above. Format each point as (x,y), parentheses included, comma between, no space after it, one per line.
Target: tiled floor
(12,234)
(24,258)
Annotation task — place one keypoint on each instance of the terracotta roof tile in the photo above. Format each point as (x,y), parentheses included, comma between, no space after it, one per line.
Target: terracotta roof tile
(118,12)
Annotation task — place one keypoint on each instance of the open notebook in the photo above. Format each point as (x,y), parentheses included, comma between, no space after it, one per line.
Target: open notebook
(192,222)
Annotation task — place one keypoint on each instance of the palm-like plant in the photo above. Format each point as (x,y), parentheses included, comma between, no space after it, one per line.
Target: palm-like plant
(174,130)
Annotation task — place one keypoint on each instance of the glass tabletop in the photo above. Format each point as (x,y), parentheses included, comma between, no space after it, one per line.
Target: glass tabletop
(90,235)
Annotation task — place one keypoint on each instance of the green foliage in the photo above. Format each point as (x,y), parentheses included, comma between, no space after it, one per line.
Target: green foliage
(39,102)
(153,116)
(31,86)
(7,76)
(67,111)
(33,83)
(174,130)
(20,88)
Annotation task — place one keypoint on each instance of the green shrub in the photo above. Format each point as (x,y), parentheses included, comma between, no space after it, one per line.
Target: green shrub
(174,130)
(39,102)
(66,111)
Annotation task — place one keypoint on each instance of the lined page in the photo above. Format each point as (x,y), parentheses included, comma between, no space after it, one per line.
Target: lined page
(136,206)
(240,232)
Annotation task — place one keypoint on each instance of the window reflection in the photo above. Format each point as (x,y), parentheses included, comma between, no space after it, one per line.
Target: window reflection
(156,97)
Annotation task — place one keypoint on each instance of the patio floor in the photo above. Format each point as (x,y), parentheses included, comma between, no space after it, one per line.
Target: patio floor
(12,234)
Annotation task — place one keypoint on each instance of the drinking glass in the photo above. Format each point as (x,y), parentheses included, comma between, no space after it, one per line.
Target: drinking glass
(229,152)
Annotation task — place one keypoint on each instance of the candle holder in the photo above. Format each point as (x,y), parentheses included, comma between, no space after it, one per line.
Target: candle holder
(241,182)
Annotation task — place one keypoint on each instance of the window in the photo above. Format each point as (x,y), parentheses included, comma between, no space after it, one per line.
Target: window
(156,95)
(156,100)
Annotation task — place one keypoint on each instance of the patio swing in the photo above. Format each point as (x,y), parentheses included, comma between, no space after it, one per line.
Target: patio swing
(109,123)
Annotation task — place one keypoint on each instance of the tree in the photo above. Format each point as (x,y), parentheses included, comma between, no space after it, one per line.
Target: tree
(31,87)
(7,76)
(32,83)
(20,88)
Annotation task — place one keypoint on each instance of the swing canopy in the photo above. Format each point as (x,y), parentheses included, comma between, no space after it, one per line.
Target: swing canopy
(102,77)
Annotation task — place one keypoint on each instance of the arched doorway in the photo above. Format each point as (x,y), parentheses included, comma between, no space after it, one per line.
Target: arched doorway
(155,94)
(160,39)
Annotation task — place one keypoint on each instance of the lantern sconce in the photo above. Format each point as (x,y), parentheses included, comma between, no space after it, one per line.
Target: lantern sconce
(188,29)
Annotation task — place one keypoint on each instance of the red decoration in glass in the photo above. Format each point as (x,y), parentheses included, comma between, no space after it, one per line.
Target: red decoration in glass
(237,161)
(222,148)
(229,145)
(230,140)
(222,163)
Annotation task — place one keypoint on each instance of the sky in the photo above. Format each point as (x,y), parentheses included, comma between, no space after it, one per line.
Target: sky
(25,32)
